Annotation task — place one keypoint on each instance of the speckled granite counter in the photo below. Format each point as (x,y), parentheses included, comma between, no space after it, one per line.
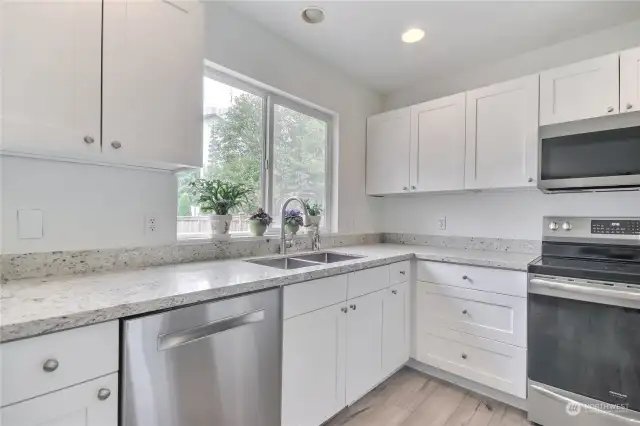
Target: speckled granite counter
(32,307)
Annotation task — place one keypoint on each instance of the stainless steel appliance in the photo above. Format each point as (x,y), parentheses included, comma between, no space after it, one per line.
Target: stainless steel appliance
(203,365)
(584,323)
(598,161)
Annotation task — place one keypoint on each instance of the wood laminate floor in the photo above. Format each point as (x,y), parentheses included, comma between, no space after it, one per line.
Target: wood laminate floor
(410,398)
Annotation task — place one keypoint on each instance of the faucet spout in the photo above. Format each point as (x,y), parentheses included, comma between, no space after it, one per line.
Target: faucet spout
(305,221)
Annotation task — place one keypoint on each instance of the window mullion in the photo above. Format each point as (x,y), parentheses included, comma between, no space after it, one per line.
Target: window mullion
(268,193)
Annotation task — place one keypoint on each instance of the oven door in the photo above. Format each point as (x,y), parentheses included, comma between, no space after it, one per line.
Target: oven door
(589,161)
(584,352)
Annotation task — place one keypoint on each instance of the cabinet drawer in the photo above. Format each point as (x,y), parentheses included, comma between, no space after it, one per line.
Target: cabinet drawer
(477,278)
(81,354)
(490,363)
(76,405)
(399,272)
(367,281)
(309,296)
(490,315)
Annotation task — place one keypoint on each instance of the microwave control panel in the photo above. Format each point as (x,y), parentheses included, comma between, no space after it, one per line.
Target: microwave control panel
(615,227)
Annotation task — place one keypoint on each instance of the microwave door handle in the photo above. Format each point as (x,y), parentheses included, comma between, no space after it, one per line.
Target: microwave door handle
(585,407)
(580,292)
(179,338)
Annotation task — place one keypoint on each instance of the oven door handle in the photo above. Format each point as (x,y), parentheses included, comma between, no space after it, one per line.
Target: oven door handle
(568,290)
(586,407)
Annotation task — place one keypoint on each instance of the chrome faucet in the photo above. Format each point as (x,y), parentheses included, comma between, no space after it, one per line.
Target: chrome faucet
(305,221)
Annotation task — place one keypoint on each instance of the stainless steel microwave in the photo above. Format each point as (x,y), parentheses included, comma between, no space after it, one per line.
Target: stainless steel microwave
(607,160)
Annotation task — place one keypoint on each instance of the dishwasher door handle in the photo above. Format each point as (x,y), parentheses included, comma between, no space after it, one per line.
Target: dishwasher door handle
(179,338)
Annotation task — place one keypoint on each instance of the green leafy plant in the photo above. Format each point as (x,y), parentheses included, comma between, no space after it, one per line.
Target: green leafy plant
(313,208)
(218,196)
(261,216)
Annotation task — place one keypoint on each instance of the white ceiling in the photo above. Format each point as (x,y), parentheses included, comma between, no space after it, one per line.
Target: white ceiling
(362,38)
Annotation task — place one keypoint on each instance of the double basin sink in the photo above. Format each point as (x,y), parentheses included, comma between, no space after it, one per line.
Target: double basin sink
(294,261)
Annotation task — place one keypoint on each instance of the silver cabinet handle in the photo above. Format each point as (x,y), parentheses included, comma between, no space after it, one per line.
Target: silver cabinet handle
(88,139)
(116,144)
(179,338)
(104,394)
(464,312)
(353,307)
(464,356)
(610,109)
(413,187)
(565,400)
(466,278)
(394,291)
(404,188)
(629,106)
(403,273)
(344,309)
(50,365)
(530,180)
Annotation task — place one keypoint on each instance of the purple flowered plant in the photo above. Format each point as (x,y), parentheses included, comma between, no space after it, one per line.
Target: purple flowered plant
(261,216)
(293,217)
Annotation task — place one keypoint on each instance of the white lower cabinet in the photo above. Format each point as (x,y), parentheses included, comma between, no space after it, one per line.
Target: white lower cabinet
(395,331)
(313,366)
(93,403)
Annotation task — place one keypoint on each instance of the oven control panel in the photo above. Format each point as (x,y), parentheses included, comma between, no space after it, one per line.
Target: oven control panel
(615,227)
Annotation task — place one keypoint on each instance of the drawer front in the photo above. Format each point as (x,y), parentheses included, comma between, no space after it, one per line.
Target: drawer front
(399,272)
(497,365)
(81,354)
(367,281)
(309,296)
(486,279)
(483,314)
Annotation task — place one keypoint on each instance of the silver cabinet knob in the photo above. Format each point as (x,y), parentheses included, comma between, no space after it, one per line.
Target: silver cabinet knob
(394,291)
(116,144)
(104,394)
(610,109)
(344,309)
(464,356)
(464,312)
(530,180)
(88,139)
(413,187)
(50,365)
(353,307)
(629,106)
(403,273)
(404,188)
(466,278)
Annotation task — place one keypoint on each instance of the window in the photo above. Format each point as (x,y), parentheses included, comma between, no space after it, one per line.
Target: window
(276,146)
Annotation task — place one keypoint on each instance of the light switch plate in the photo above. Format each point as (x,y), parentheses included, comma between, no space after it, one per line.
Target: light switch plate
(29,224)
(442,223)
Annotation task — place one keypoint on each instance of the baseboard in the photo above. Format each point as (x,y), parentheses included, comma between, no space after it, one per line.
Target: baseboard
(503,397)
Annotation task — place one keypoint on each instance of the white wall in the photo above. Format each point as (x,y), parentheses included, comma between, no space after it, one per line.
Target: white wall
(515,214)
(237,43)
(90,207)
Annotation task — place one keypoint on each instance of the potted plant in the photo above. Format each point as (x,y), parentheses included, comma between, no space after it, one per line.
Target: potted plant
(315,211)
(258,222)
(292,221)
(219,197)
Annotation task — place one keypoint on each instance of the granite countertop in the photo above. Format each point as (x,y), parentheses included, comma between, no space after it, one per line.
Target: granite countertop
(33,307)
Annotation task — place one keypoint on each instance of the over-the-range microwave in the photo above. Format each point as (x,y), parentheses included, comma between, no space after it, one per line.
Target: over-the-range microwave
(607,160)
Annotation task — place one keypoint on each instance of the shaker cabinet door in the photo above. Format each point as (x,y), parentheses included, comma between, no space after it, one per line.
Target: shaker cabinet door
(395,328)
(630,80)
(388,142)
(51,59)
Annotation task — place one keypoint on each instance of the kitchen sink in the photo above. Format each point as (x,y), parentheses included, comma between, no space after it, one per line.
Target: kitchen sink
(295,261)
(326,257)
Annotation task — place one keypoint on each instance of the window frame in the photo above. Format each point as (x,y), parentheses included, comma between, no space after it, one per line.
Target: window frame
(270,99)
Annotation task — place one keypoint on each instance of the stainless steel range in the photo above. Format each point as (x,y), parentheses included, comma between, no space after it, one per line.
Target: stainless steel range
(584,323)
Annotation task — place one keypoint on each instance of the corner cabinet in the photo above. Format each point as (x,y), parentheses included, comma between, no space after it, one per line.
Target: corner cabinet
(502,135)
(388,146)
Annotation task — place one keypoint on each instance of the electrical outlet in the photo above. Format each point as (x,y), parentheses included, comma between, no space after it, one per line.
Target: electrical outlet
(151,224)
(442,223)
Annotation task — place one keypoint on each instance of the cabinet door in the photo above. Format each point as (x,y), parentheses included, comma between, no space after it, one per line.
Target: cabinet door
(388,142)
(75,406)
(630,80)
(153,73)
(502,135)
(364,344)
(51,55)
(437,144)
(583,90)
(313,366)
(395,328)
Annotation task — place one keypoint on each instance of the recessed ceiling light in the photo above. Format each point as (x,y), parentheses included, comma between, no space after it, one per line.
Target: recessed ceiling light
(412,35)
(313,15)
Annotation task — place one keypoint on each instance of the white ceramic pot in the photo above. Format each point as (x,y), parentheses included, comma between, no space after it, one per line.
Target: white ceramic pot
(220,224)
(315,221)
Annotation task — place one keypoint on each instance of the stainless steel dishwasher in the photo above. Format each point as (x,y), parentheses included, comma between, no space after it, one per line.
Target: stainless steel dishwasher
(203,365)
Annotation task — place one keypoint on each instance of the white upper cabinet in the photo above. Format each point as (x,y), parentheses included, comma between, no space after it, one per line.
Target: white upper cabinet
(579,91)
(388,142)
(502,135)
(152,82)
(51,77)
(438,144)
(630,80)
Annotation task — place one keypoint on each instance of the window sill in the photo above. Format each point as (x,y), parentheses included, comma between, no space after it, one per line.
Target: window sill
(240,237)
